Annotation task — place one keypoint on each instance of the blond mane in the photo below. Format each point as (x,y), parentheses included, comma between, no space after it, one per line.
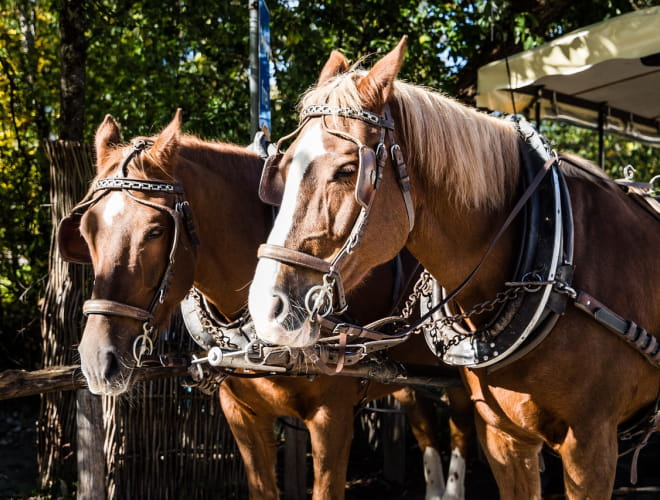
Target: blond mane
(446,143)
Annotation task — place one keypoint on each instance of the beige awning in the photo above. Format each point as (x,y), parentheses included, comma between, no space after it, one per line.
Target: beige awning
(605,74)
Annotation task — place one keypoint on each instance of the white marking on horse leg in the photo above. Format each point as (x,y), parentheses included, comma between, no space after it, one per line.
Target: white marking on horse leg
(435,479)
(455,477)
(114,207)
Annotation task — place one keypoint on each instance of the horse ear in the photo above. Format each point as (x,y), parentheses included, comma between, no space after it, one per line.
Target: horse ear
(335,65)
(166,145)
(377,86)
(107,137)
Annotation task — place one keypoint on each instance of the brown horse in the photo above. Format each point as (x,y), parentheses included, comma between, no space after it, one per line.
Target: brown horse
(172,211)
(445,192)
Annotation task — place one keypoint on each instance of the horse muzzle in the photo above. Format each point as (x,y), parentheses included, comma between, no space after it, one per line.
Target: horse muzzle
(278,318)
(106,366)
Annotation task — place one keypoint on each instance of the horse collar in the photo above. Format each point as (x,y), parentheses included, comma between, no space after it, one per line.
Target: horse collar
(531,305)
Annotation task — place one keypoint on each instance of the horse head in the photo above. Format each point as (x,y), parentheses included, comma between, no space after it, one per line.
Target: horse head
(332,228)
(135,228)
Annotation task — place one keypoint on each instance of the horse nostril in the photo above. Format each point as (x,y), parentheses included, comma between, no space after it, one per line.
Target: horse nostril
(111,366)
(279,307)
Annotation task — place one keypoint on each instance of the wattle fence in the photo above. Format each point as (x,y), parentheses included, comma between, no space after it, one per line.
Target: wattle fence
(164,441)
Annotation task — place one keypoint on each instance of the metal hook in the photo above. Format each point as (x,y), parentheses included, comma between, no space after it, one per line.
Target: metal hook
(143,344)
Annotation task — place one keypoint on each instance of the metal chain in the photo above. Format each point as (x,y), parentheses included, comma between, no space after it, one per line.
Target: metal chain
(205,380)
(423,287)
(359,114)
(210,325)
(436,326)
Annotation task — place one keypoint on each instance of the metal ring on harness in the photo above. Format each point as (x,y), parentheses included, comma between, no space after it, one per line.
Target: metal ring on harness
(319,298)
(143,344)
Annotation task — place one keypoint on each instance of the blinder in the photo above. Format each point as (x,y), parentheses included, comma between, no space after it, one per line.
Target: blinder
(370,173)
(71,244)
(271,185)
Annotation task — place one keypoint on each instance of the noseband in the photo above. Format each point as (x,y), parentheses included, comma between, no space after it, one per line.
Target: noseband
(320,299)
(181,215)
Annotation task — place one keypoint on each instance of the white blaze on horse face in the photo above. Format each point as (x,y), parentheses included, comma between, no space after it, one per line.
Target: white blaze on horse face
(114,207)
(269,306)
(309,148)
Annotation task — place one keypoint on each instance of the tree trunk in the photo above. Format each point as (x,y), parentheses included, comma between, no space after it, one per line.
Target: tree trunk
(73,51)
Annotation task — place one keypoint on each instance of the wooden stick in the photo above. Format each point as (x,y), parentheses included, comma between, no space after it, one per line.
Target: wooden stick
(20,383)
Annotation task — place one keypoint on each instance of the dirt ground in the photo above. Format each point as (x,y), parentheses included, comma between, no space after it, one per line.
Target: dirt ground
(19,476)
(18,449)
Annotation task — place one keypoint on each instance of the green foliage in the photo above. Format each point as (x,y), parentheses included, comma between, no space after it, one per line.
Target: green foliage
(145,58)
(28,81)
(618,151)
(303,35)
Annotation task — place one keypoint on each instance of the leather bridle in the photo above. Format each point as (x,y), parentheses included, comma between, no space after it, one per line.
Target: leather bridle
(181,215)
(329,297)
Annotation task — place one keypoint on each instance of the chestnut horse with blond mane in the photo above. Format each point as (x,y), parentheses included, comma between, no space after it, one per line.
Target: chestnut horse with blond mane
(169,212)
(448,191)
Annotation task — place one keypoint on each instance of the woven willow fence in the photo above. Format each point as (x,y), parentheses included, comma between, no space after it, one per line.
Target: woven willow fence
(163,441)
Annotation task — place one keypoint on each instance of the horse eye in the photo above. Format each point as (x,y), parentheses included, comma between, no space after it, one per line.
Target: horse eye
(155,233)
(345,172)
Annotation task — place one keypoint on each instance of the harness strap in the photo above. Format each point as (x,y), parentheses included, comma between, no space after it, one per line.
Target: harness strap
(649,427)
(401,171)
(628,330)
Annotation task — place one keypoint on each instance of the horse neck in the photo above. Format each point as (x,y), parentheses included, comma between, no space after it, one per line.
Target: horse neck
(450,245)
(231,221)
(451,236)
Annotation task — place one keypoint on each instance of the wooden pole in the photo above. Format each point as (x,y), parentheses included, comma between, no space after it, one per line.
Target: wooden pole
(89,451)
(21,383)
(253,8)
(295,459)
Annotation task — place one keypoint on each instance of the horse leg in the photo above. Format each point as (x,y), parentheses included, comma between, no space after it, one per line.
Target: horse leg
(461,431)
(330,432)
(254,435)
(514,462)
(589,457)
(422,418)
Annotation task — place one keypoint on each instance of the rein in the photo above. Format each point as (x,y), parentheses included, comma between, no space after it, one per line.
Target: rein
(181,214)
